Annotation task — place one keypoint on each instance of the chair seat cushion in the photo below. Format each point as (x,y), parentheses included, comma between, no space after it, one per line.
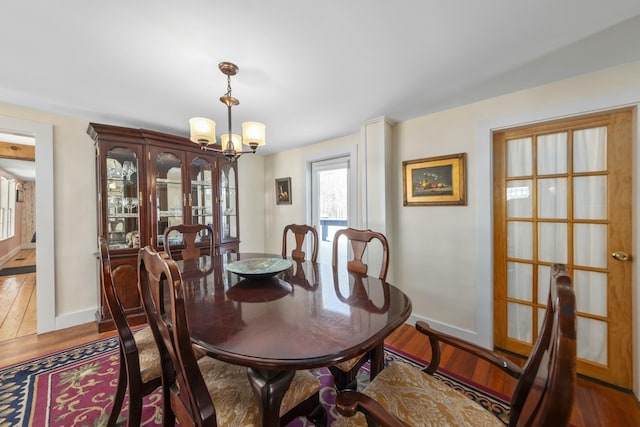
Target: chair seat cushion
(148,355)
(419,399)
(347,365)
(233,397)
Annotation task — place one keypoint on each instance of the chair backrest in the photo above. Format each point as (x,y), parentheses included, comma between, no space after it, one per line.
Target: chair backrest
(300,232)
(190,397)
(114,304)
(545,391)
(191,236)
(359,240)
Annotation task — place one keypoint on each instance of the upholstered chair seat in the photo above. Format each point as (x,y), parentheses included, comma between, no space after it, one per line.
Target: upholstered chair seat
(348,365)
(420,399)
(148,355)
(402,395)
(235,401)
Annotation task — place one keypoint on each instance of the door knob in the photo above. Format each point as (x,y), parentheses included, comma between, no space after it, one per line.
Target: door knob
(621,256)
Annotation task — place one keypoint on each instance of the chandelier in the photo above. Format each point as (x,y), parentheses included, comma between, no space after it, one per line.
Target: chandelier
(203,130)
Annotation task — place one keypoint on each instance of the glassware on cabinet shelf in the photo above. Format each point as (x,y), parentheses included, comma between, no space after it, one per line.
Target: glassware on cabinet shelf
(122,214)
(229,218)
(201,195)
(130,203)
(115,205)
(170,197)
(114,169)
(128,169)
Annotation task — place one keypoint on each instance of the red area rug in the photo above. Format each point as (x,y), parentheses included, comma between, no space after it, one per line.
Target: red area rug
(76,387)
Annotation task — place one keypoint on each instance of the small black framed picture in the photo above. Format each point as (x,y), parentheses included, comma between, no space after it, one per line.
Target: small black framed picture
(283,191)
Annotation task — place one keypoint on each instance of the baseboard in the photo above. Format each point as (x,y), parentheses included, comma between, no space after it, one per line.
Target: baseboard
(75,319)
(464,334)
(9,255)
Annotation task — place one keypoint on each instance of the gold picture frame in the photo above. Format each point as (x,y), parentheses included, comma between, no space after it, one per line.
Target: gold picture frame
(435,181)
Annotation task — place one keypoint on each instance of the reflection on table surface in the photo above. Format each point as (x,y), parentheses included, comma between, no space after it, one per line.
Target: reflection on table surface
(306,316)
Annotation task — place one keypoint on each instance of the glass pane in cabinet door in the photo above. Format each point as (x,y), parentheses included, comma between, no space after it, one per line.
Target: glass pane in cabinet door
(201,197)
(228,203)
(123,197)
(169,196)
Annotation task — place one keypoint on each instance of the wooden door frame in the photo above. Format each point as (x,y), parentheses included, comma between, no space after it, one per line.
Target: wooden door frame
(484,214)
(617,369)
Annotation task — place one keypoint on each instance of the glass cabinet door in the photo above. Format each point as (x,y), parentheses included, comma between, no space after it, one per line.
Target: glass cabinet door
(201,194)
(170,199)
(122,199)
(228,201)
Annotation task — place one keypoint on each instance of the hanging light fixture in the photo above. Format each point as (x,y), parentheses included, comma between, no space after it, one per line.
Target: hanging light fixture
(203,130)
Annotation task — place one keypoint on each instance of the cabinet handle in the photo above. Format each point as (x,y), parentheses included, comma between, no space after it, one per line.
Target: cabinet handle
(140,199)
(190,200)
(184,199)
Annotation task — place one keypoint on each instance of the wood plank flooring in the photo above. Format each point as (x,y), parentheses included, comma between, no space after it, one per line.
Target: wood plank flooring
(595,405)
(18,298)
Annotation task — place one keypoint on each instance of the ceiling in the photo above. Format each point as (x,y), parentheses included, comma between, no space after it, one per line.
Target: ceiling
(22,169)
(310,70)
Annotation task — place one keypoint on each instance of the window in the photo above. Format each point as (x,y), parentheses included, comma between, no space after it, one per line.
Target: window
(7,208)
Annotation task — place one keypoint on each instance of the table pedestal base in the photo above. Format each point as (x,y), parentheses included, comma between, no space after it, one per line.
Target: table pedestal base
(270,387)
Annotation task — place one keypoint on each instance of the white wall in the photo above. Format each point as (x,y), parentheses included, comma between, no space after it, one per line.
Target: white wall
(293,163)
(444,249)
(251,206)
(71,289)
(442,256)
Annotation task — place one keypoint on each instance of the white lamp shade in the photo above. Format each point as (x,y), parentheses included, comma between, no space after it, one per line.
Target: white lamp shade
(253,132)
(202,130)
(236,140)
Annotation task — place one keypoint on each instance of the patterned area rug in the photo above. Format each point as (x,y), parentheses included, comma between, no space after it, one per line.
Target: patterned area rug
(75,388)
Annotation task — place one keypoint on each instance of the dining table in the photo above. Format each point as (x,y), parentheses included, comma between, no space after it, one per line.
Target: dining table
(276,315)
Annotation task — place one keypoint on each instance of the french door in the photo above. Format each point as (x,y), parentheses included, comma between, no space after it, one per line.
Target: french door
(330,203)
(562,194)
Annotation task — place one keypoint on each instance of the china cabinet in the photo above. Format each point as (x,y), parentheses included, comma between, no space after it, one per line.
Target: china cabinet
(148,181)
(228,208)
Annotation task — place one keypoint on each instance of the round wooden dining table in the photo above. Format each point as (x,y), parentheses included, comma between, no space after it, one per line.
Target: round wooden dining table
(307,316)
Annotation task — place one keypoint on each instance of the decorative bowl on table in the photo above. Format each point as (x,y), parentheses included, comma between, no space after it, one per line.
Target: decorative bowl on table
(258,268)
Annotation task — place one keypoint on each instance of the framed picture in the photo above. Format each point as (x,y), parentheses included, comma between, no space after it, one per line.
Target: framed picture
(283,191)
(435,181)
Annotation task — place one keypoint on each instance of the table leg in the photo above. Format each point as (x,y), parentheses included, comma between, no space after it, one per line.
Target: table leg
(377,360)
(270,387)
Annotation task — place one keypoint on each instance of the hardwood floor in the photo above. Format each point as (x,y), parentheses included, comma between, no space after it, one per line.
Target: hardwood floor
(18,298)
(595,405)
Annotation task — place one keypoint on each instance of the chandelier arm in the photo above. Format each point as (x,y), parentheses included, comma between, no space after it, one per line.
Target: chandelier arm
(203,130)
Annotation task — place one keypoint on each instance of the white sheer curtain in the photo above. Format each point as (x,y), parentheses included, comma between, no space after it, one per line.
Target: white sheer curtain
(590,241)
(551,213)
(520,238)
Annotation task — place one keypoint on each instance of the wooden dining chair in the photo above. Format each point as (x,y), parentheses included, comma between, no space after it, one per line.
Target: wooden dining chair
(139,356)
(345,373)
(208,392)
(403,395)
(300,232)
(192,234)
